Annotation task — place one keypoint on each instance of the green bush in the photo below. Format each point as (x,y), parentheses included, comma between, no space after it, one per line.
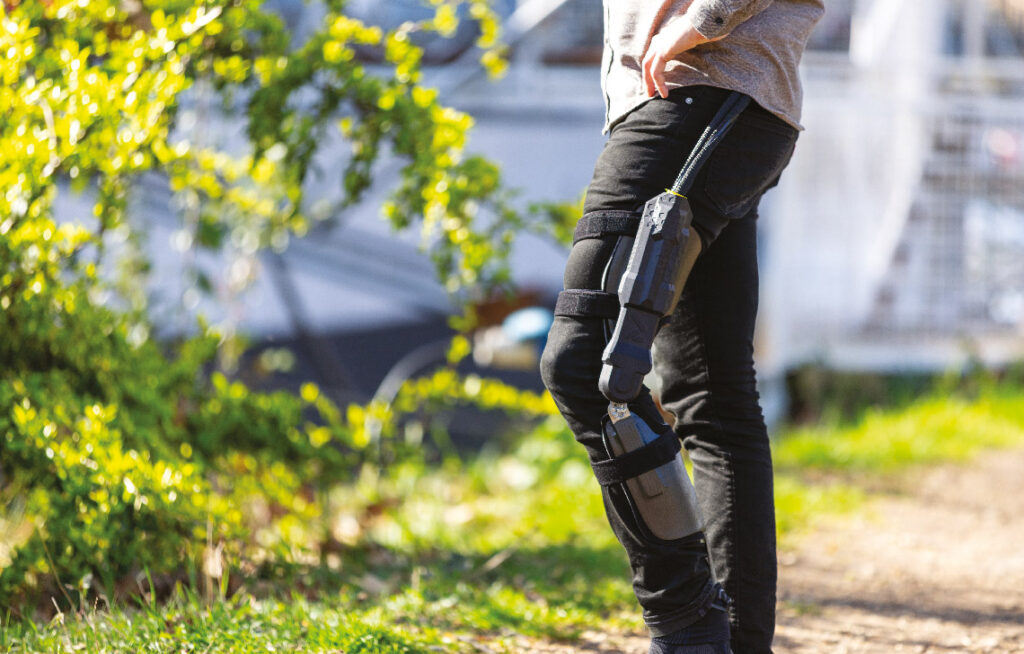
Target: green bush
(113,456)
(120,460)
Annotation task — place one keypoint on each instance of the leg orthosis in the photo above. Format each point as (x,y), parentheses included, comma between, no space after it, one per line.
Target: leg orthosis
(645,460)
(662,251)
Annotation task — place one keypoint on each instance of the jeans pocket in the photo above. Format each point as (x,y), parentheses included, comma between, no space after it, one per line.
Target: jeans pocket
(746,164)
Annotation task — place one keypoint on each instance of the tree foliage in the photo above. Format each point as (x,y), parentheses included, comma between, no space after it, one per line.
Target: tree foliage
(116,456)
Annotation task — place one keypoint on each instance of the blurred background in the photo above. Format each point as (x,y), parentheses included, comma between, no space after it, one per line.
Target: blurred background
(234,391)
(895,243)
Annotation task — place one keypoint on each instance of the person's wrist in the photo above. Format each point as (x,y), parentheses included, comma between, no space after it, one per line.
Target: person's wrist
(687,35)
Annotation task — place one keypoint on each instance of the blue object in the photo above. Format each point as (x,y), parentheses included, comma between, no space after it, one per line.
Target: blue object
(528,324)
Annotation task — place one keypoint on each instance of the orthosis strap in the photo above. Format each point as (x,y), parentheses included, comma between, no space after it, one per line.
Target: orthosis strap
(583,303)
(606,223)
(635,463)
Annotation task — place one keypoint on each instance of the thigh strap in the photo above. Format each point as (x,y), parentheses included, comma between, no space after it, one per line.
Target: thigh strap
(584,303)
(596,224)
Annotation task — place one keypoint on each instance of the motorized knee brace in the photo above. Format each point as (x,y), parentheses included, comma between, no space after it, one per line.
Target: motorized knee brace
(641,285)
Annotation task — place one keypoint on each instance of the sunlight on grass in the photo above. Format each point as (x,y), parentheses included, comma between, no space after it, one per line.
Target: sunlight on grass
(798,503)
(934,430)
(820,469)
(509,543)
(242,626)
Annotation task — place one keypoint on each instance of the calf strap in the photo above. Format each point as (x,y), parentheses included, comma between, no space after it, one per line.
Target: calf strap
(655,454)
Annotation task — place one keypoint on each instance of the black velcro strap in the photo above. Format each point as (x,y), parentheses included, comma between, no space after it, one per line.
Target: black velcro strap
(581,303)
(633,464)
(606,223)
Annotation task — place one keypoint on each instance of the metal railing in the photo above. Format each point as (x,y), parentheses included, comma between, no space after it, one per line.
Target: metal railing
(897,237)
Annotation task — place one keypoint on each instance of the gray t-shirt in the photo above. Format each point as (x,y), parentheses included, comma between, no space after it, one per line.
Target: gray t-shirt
(758,56)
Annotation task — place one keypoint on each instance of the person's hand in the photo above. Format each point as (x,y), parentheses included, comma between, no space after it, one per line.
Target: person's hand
(677,35)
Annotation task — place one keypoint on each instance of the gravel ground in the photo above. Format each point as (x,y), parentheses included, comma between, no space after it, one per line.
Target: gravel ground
(937,567)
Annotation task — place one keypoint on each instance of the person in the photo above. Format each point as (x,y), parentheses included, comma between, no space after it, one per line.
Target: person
(667,68)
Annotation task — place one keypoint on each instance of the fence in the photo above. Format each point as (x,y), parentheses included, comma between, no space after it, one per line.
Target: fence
(897,239)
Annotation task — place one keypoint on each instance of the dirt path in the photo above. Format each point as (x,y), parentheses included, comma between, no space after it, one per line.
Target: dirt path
(937,569)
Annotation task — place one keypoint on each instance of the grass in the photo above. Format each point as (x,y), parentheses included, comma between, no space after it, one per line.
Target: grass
(934,430)
(832,469)
(470,556)
(187,624)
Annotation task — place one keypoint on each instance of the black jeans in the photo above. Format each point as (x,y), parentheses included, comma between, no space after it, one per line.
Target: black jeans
(703,357)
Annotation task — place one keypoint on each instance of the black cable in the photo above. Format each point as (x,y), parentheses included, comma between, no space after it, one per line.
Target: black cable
(709,140)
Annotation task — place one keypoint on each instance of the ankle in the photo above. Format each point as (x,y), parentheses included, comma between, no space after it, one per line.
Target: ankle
(708,635)
(713,627)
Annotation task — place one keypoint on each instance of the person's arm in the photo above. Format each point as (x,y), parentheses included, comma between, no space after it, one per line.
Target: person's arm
(716,18)
(703,22)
